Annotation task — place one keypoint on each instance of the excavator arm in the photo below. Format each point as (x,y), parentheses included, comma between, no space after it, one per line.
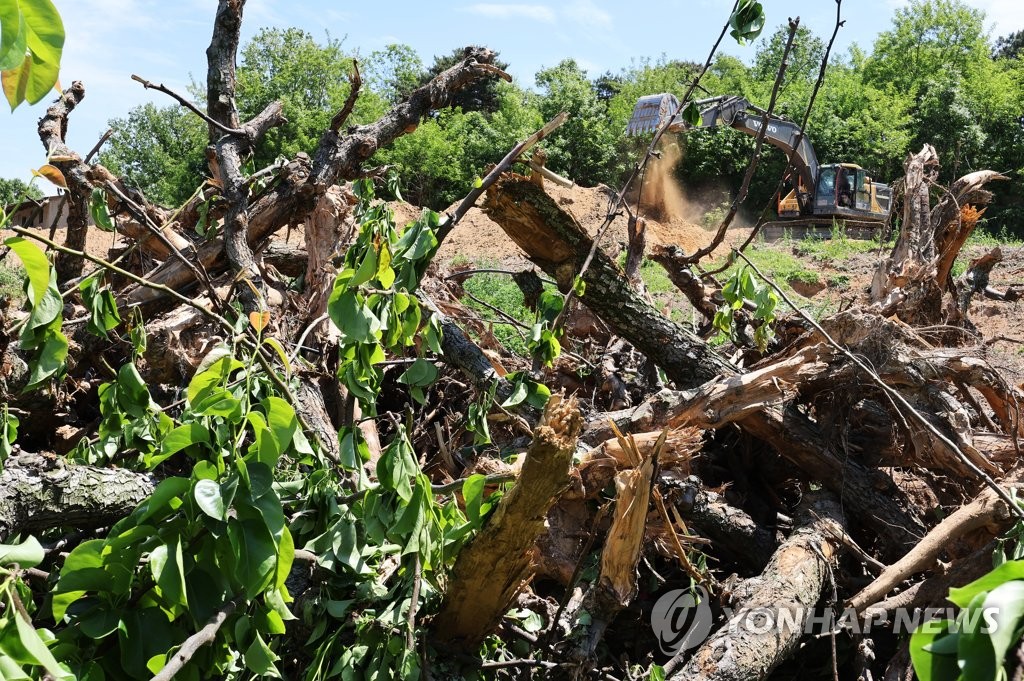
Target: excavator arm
(654,111)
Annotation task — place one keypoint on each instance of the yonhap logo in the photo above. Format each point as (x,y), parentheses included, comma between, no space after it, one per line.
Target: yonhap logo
(681,619)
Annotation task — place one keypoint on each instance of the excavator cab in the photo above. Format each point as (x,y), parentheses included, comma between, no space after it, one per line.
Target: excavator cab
(846,190)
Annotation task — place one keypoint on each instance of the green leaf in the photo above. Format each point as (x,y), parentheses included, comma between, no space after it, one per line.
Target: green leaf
(579,287)
(433,334)
(178,439)
(8,431)
(352,317)
(31,81)
(101,305)
(99,212)
(473,494)
(259,658)
(132,393)
(691,114)
(34,260)
(28,553)
(519,393)
(747,21)
(255,554)
(931,666)
(165,499)
(45,35)
(281,420)
(50,360)
(1006,604)
(13,34)
(37,649)
(167,565)
(209,498)
(367,269)
(420,373)
(973,650)
(385,273)
(1006,572)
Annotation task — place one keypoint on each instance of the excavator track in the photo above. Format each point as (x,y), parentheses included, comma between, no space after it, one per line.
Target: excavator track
(821,228)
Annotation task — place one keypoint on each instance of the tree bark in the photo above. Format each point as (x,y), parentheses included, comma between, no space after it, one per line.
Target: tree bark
(39,493)
(493,569)
(789,589)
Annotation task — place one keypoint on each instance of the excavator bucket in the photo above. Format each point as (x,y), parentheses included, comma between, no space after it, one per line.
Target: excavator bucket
(651,112)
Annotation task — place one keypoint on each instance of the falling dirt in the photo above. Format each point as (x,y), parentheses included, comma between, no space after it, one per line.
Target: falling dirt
(661,197)
(477,237)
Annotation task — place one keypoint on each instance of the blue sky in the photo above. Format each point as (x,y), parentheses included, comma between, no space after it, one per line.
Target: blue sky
(165,40)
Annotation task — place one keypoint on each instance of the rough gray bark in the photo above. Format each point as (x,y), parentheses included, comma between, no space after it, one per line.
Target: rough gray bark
(221,107)
(792,584)
(40,493)
(53,129)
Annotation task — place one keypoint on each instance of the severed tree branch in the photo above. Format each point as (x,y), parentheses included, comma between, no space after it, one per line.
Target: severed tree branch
(197,640)
(305,180)
(188,105)
(346,110)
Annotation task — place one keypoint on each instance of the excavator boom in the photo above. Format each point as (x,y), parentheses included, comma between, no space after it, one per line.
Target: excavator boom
(654,111)
(820,192)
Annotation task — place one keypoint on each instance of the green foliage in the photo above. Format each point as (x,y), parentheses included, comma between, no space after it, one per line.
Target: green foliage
(15,190)
(159,150)
(747,21)
(498,290)
(309,78)
(975,644)
(742,287)
(41,332)
(373,303)
(31,45)
(438,161)
(584,147)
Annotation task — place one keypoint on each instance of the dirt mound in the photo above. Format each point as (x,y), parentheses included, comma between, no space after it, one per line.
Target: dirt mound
(478,237)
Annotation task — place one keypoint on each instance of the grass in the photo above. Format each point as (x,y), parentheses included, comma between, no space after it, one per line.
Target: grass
(502,292)
(839,247)
(778,265)
(12,276)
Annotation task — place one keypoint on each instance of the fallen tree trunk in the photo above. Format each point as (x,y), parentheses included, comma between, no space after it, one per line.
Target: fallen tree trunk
(491,571)
(40,493)
(787,591)
(556,242)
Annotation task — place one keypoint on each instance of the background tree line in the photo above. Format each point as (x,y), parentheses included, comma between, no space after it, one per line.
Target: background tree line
(933,76)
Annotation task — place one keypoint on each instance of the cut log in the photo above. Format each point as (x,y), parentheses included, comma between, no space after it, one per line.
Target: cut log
(788,589)
(496,566)
(41,493)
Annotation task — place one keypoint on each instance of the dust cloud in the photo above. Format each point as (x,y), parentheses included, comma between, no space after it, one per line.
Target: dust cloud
(662,198)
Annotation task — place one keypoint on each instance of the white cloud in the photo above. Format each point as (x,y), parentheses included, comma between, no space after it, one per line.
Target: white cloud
(541,13)
(586,14)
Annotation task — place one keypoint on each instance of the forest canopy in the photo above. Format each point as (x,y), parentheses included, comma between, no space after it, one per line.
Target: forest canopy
(873,108)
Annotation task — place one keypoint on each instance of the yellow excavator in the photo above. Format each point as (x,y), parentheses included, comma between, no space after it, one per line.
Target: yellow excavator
(819,195)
